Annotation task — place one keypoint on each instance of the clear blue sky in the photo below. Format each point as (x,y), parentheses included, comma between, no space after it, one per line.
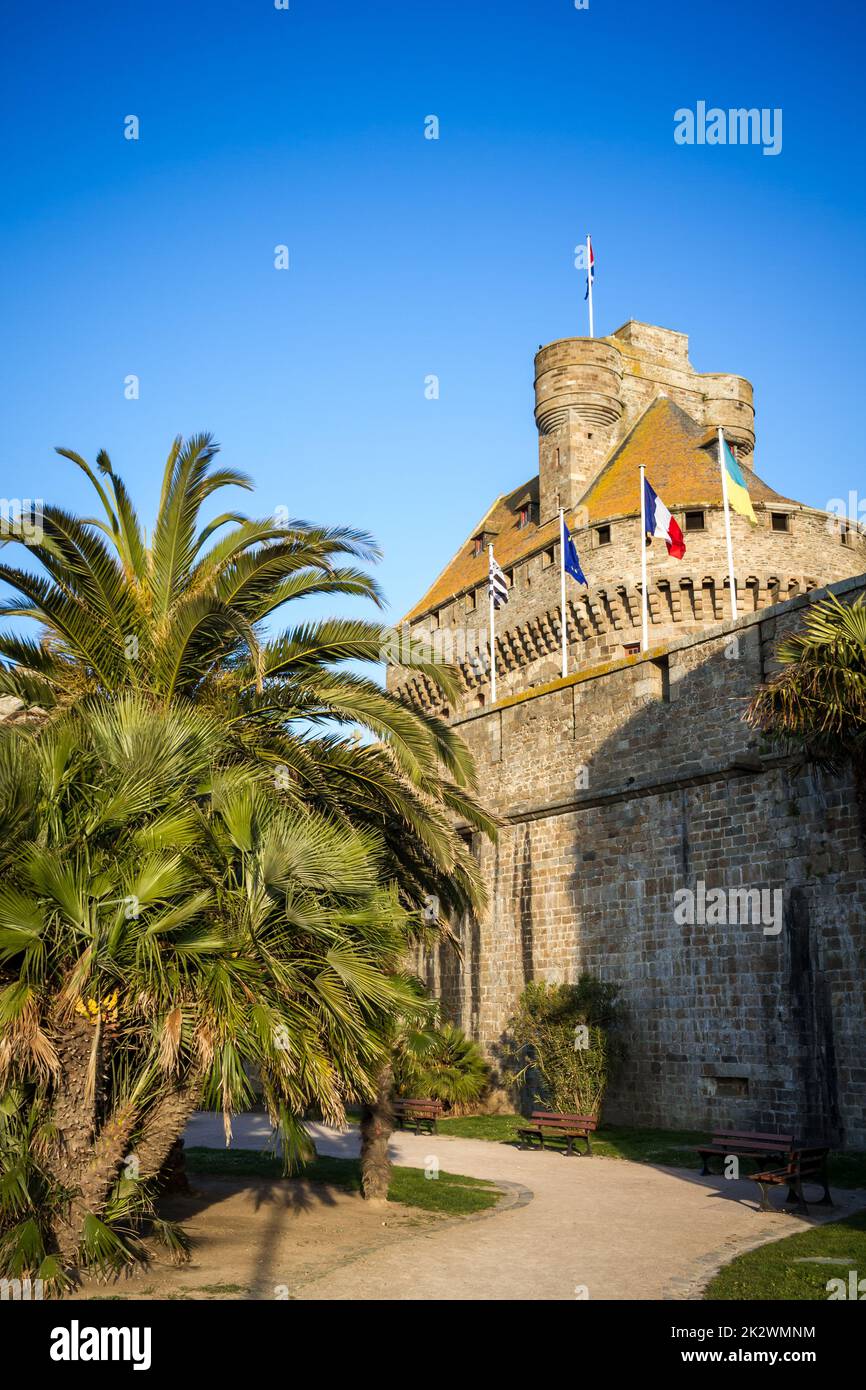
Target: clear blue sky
(409,256)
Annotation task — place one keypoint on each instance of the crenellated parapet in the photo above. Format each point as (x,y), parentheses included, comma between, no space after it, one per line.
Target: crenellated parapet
(602,623)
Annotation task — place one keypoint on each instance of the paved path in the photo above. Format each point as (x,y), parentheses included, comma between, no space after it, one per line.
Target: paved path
(615,1229)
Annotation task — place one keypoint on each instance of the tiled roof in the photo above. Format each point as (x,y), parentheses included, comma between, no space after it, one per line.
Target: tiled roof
(668,442)
(511,542)
(665,439)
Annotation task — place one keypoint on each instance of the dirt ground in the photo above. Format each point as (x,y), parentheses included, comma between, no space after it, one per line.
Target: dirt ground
(257,1239)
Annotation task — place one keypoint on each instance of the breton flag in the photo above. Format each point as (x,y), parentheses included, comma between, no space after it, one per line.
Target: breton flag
(590,268)
(659,522)
(497,583)
(738,492)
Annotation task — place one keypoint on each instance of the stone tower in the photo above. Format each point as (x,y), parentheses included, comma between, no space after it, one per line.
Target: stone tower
(590,391)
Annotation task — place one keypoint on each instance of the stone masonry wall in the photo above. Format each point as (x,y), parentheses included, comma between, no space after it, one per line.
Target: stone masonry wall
(619,788)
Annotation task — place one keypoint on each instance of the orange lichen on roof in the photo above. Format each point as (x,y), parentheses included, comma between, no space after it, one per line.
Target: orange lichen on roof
(668,442)
(511,542)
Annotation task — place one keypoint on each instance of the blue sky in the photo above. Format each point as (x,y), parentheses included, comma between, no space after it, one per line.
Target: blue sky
(411,257)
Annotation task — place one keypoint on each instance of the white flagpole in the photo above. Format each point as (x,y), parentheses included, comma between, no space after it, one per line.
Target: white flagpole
(492,627)
(562,590)
(644,606)
(589,281)
(731,579)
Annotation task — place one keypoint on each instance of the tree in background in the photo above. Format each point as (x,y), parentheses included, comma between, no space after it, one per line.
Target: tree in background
(815,704)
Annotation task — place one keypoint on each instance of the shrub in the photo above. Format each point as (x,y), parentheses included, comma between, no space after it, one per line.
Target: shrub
(443,1064)
(562,1043)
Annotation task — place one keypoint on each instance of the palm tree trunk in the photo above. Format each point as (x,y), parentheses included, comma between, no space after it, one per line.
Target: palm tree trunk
(94,1183)
(377,1126)
(160,1149)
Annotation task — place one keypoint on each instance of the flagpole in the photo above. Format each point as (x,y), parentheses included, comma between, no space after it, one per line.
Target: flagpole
(589,281)
(731,579)
(644,641)
(562,589)
(492,627)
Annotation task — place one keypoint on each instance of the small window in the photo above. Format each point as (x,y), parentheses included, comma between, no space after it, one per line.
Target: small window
(471,600)
(845,533)
(603,535)
(509,578)
(694,521)
(780,521)
(434,618)
(631,648)
(477,545)
(548,558)
(734,1087)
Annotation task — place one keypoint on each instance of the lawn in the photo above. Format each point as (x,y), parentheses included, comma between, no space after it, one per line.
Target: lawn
(449,1192)
(674,1148)
(773,1271)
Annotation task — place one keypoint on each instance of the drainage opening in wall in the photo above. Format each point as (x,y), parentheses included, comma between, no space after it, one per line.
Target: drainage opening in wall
(732,1085)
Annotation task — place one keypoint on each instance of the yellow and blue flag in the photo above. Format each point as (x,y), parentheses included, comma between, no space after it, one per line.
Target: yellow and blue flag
(738,493)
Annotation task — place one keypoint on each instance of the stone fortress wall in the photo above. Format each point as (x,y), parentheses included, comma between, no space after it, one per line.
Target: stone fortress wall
(621,785)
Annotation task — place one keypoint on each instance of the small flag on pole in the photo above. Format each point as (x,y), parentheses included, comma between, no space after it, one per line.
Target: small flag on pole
(570,564)
(590,267)
(497,583)
(659,522)
(570,560)
(738,492)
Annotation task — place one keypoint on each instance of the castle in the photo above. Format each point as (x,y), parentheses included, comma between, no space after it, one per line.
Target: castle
(634,782)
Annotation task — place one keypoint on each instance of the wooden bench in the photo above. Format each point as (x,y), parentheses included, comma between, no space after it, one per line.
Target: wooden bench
(555,1125)
(742,1143)
(804,1165)
(422,1115)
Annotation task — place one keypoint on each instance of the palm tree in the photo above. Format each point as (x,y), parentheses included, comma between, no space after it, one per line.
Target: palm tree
(181,619)
(816,703)
(444,1064)
(167,924)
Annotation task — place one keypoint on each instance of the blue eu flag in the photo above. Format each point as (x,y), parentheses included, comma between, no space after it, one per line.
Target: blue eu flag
(570,559)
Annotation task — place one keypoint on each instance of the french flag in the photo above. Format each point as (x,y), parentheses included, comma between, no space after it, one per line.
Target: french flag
(659,522)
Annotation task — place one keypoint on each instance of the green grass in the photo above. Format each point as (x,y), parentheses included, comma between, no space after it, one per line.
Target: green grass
(772,1272)
(449,1192)
(674,1148)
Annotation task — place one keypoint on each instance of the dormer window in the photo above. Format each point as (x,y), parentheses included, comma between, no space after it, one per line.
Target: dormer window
(525,511)
(481,540)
